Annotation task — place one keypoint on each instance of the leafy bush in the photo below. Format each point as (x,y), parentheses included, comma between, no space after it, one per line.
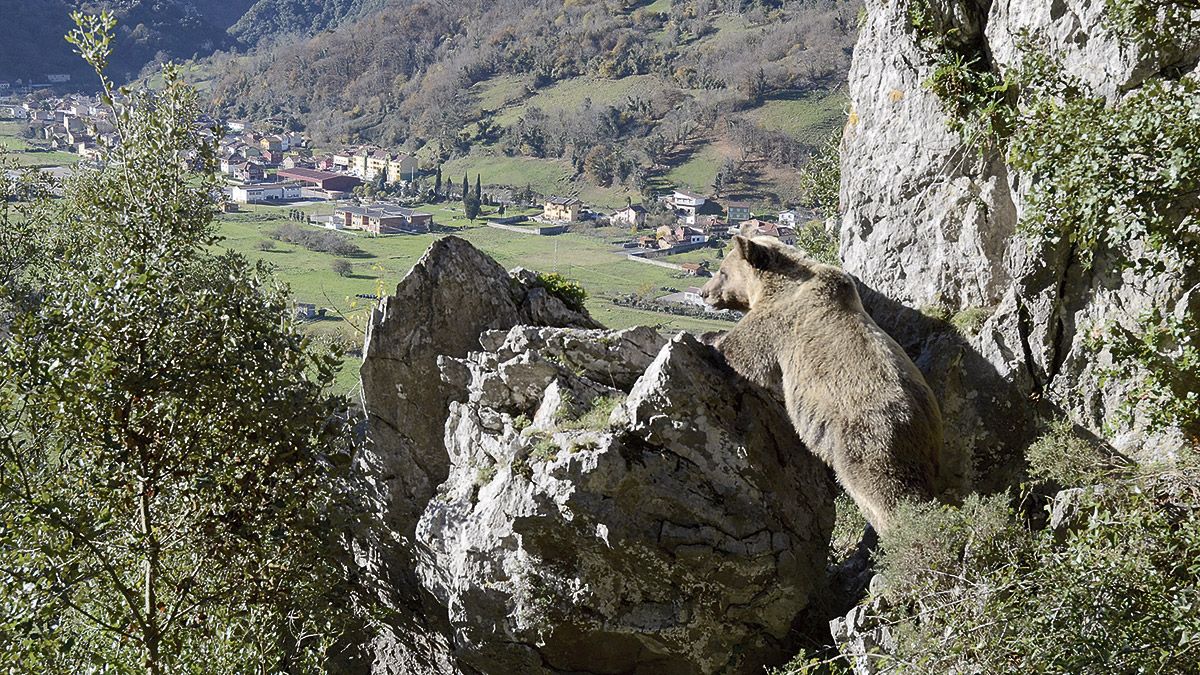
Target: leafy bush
(1065,457)
(1165,353)
(1119,177)
(342,268)
(973,590)
(818,244)
(571,292)
(975,97)
(1163,26)
(848,527)
(821,178)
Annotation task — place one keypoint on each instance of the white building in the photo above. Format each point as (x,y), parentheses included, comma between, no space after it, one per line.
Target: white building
(688,203)
(788,218)
(265,193)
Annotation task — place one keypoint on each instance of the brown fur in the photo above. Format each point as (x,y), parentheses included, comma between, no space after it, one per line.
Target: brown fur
(853,395)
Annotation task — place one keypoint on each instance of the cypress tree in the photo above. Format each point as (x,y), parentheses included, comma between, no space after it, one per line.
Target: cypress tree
(437,181)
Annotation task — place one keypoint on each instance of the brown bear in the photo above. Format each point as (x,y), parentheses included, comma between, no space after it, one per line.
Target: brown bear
(856,399)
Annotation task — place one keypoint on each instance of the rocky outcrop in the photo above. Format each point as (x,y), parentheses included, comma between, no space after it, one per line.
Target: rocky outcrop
(440,308)
(930,221)
(574,500)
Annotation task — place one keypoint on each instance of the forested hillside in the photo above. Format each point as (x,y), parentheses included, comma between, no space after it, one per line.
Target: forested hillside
(269,20)
(595,94)
(31,34)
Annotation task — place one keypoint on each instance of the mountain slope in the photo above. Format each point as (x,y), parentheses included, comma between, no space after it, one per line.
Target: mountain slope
(613,95)
(269,19)
(33,45)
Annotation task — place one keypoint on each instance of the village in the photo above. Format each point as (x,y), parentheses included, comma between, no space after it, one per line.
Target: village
(377,192)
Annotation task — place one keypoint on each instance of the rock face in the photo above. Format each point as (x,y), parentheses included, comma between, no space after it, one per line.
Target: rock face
(569,500)
(450,296)
(929,221)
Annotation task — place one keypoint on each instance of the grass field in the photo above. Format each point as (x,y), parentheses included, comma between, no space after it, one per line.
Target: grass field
(500,91)
(570,94)
(809,117)
(30,154)
(710,255)
(699,171)
(586,259)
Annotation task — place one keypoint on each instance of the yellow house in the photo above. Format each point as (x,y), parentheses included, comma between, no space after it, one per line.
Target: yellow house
(401,168)
(562,209)
(375,165)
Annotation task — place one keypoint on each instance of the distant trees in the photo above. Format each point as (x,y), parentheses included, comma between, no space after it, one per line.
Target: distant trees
(321,241)
(472,201)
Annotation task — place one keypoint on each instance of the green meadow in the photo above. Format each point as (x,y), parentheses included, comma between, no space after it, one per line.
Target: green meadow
(589,260)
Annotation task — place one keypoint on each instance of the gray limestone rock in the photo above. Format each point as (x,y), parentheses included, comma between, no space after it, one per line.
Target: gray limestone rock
(685,531)
(567,499)
(929,221)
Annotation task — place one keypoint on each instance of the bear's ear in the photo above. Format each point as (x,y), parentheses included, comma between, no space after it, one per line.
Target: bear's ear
(759,256)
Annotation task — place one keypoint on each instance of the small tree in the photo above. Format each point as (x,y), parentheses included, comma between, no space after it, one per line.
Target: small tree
(471,207)
(343,268)
(437,181)
(821,177)
(168,451)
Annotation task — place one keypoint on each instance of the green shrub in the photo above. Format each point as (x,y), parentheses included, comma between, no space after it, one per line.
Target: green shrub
(596,418)
(485,474)
(571,292)
(1067,458)
(975,97)
(1163,355)
(972,590)
(970,321)
(545,449)
(1089,190)
(821,178)
(818,244)
(1162,26)
(848,527)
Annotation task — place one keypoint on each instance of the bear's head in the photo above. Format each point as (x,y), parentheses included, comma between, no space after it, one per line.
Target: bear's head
(749,268)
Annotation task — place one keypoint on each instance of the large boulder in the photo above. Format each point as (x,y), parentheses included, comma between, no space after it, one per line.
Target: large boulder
(594,521)
(452,295)
(545,496)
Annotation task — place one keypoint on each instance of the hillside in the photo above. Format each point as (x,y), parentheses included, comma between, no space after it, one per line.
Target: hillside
(268,20)
(149,30)
(597,98)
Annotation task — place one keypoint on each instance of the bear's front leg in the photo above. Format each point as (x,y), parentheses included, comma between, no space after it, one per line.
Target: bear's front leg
(748,351)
